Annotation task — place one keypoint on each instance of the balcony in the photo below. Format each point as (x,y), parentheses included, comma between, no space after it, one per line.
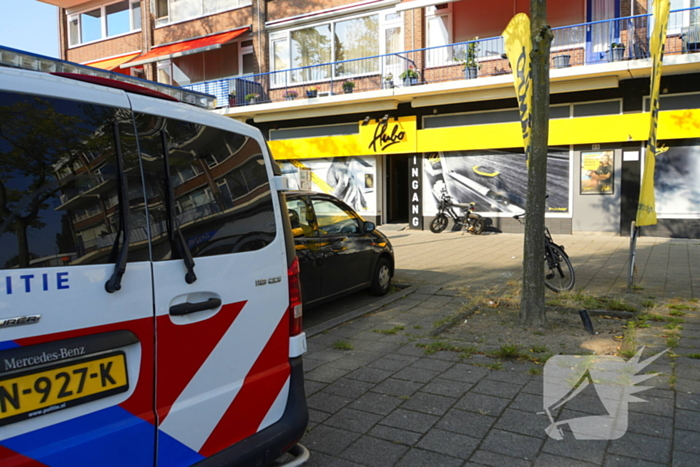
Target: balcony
(612,47)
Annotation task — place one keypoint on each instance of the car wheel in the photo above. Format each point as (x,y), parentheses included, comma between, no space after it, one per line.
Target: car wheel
(381,281)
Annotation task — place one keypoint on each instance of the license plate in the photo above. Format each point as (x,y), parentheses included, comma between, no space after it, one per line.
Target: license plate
(35,393)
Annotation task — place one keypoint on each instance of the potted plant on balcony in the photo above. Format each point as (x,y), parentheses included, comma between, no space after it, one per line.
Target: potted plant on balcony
(471,65)
(561,61)
(388,81)
(312,92)
(617,51)
(348,87)
(410,76)
(291,95)
(252,98)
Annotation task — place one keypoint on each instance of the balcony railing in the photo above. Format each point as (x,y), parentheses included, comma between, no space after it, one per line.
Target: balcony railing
(577,45)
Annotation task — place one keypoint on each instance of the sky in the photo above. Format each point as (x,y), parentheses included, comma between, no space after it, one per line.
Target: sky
(29,25)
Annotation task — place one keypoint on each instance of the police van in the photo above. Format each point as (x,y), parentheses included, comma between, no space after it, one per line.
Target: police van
(150,308)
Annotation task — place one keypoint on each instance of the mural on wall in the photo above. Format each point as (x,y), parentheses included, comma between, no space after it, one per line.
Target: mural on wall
(349,178)
(496,180)
(598,173)
(676,179)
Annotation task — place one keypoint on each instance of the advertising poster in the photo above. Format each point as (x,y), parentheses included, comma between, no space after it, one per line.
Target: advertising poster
(496,180)
(349,178)
(676,180)
(598,173)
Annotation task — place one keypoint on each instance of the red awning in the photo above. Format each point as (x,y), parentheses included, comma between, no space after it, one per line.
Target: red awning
(180,49)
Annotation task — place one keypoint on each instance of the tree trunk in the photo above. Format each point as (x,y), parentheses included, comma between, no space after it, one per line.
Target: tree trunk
(532,311)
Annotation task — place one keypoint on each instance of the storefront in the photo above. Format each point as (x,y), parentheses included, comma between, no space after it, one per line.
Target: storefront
(391,171)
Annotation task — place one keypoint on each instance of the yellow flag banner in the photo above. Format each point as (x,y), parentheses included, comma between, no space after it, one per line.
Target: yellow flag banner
(518,45)
(646,209)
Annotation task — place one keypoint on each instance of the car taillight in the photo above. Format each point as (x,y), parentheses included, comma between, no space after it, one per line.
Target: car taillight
(295,307)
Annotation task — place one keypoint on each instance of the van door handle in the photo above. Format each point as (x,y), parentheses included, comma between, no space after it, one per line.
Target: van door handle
(187,307)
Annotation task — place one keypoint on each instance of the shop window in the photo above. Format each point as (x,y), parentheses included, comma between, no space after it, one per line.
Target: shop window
(592,109)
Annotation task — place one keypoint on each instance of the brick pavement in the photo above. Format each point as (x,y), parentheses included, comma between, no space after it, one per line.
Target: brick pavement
(387,403)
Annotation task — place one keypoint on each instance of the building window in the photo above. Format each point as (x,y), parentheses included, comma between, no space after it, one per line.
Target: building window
(173,11)
(439,34)
(103,22)
(348,40)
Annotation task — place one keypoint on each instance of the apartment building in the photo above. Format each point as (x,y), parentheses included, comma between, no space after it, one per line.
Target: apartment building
(387,103)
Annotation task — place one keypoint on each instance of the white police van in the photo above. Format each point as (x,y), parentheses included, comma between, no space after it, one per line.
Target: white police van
(150,308)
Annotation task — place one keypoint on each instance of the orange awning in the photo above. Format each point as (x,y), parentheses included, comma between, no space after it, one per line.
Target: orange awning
(112,63)
(180,49)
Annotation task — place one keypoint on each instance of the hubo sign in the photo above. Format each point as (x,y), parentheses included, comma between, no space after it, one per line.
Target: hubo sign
(397,135)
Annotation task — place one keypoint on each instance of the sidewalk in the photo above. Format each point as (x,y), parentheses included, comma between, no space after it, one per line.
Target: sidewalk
(385,402)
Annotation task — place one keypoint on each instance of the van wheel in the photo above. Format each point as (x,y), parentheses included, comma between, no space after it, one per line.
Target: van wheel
(381,281)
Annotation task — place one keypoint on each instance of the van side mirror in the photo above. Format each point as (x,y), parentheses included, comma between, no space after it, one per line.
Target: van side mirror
(369,227)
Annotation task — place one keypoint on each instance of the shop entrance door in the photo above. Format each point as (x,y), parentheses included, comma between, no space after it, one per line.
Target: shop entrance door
(396,186)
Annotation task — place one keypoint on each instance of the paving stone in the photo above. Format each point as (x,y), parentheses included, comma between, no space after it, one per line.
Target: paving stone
(325,374)
(409,420)
(326,355)
(446,442)
(432,364)
(447,388)
(512,444)
(498,460)
(652,425)
(587,451)
(327,402)
(374,452)
(687,385)
(549,460)
(416,374)
(643,447)
(349,388)
(525,423)
(688,441)
(392,364)
(497,388)
(353,420)
(465,373)
(466,423)
(397,387)
(510,376)
(421,458)
(654,406)
(684,459)
(482,403)
(613,460)
(329,440)
(395,435)
(527,403)
(322,460)
(311,364)
(316,416)
(428,403)
(371,375)
(534,387)
(373,402)
(688,401)
(312,387)
(687,420)
(346,364)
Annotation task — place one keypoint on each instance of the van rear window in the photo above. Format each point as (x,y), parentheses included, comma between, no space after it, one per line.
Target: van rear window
(221,194)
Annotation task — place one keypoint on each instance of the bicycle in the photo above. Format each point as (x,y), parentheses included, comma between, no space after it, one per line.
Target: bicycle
(467,219)
(559,274)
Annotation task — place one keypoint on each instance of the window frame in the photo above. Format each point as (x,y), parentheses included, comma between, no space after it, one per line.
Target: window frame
(433,13)
(76,15)
(283,78)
